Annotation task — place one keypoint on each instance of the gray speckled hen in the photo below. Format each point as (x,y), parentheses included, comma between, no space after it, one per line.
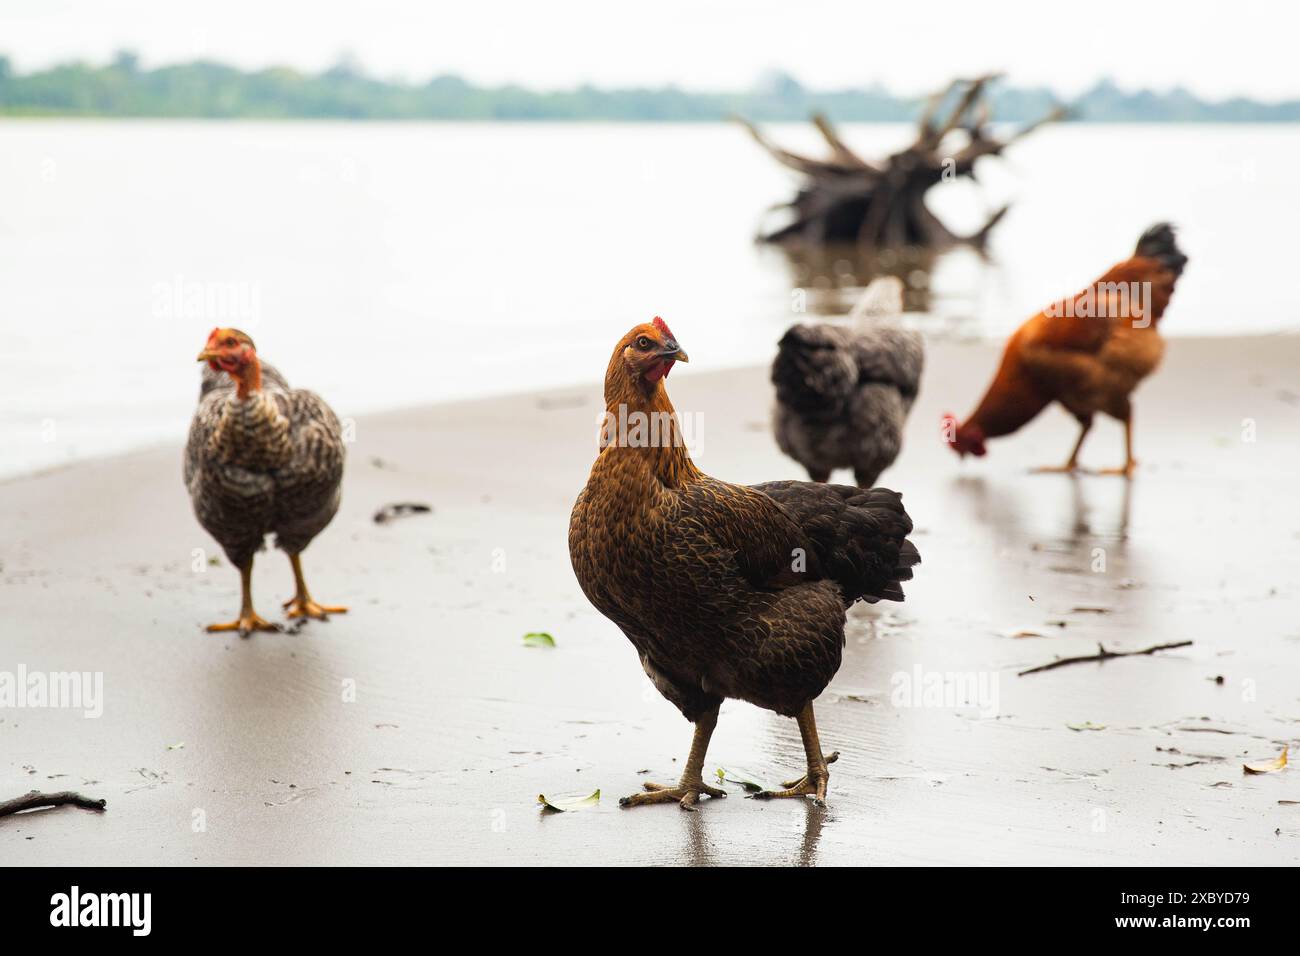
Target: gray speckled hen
(725,591)
(843,393)
(262,458)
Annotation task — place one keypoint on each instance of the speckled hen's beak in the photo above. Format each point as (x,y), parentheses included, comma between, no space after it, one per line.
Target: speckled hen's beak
(207,355)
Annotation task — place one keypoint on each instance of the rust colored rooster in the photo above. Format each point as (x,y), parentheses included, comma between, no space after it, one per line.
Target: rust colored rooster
(1088,352)
(262,458)
(725,591)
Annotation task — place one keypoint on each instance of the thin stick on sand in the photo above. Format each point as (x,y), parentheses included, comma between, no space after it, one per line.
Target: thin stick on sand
(1103,655)
(35,799)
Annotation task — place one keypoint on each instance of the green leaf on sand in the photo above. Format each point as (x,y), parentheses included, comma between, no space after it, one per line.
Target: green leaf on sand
(567,803)
(741,778)
(1086,725)
(538,639)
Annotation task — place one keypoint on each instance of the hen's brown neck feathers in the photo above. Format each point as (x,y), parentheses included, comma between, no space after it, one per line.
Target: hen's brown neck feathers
(640,422)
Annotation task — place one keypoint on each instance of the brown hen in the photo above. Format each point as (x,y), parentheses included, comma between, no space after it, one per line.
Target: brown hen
(725,591)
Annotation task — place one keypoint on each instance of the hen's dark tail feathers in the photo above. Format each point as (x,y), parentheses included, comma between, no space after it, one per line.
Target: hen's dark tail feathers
(885,516)
(859,535)
(1160,243)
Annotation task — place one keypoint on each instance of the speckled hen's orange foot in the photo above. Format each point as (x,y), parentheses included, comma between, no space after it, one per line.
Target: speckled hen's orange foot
(306,607)
(813,785)
(829,758)
(246,624)
(684,794)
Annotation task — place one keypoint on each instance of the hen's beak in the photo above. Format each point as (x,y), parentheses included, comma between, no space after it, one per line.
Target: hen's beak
(207,355)
(673,351)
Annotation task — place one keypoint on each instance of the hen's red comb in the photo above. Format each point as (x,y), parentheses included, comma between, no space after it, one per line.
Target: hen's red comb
(662,326)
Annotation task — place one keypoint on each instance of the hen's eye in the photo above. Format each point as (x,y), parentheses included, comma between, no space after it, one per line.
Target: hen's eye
(230,343)
(643,343)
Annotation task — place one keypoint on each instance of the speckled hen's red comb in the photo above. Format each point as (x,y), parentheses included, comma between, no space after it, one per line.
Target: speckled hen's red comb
(662,326)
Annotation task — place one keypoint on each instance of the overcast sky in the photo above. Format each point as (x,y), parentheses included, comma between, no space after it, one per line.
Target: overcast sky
(1214,49)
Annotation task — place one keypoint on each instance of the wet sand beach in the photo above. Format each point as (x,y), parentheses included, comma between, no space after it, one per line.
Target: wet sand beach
(420,729)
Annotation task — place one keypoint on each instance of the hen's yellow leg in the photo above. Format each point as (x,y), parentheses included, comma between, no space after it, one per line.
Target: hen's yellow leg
(248,620)
(814,783)
(692,784)
(301,604)
(830,758)
(1130,463)
(1073,464)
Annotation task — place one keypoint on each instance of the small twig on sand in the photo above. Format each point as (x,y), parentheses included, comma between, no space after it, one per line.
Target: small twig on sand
(35,799)
(388,512)
(1103,655)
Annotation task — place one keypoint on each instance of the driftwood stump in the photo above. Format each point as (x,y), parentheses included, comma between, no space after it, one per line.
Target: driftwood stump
(846,199)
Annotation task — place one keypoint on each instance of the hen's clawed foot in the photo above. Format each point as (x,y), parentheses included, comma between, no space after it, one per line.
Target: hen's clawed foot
(1126,470)
(814,787)
(246,624)
(1069,468)
(299,606)
(829,758)
(812,784)
(685,794)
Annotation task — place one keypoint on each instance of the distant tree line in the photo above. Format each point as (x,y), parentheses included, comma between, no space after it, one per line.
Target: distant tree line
(214,90)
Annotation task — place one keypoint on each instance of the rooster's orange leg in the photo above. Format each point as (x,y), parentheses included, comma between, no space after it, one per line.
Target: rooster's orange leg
(692,784)
(813,784)
(1130,463)
(1072,465)
(248,620)
(301,604)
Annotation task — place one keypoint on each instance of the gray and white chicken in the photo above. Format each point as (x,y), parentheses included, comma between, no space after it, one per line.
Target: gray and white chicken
(843,392)
(262,458)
